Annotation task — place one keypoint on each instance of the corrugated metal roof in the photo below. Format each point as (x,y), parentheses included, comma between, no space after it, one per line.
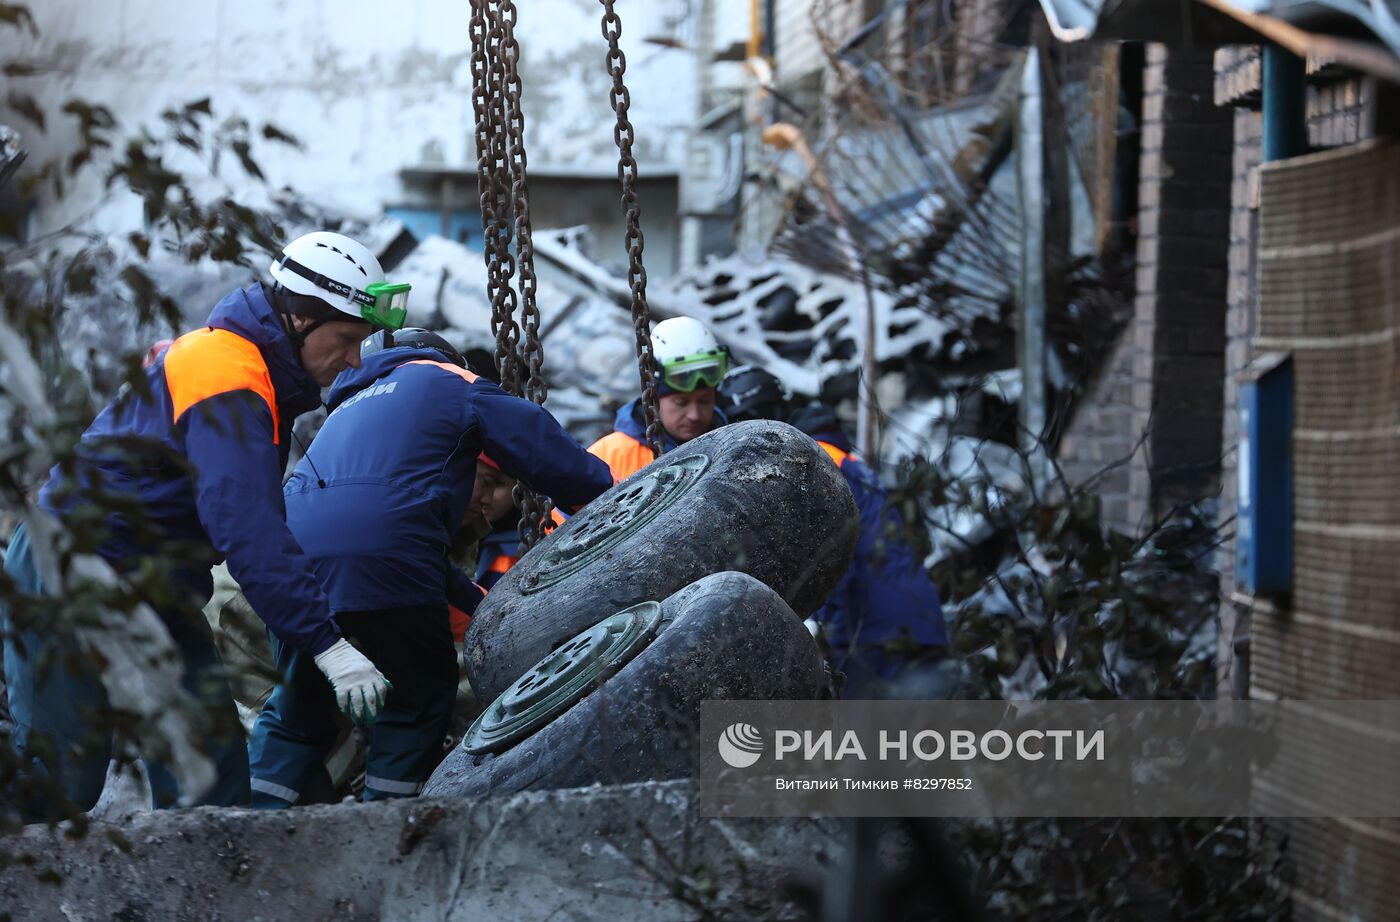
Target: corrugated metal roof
(1073,20)
(1364,34)
(1379,17)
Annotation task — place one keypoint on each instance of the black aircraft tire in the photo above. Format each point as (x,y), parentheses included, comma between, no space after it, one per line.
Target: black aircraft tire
(757,497)
(726,637)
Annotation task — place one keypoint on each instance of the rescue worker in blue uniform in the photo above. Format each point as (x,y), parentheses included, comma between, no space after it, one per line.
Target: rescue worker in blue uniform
(884,616)
(183,475)
(690,364)
(375,504)
(499,549)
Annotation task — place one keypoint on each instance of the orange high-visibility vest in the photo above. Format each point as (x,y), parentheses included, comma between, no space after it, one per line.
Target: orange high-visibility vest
(209,362)
(836,454)
(624,454)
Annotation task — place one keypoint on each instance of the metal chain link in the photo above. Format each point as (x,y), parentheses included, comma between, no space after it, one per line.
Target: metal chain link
(530,357)
(505,219)
(531,350)
(636,273)
(504,194)
(487,172)
(488,104)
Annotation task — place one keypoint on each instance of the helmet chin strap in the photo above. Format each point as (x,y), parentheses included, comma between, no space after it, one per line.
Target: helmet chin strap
(295,336)
(298,337)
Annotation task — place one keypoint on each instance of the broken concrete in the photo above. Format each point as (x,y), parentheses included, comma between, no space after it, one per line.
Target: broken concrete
(632,851)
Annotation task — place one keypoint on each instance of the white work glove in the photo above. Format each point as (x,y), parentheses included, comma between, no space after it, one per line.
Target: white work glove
(360,689)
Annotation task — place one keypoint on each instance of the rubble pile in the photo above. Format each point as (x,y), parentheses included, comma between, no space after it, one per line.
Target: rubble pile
(618,852)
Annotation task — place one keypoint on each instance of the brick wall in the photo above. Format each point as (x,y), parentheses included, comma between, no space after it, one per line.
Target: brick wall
(1182,257)
(1344,868)
(1241,326)
(1335,116)
(1104,435)
(1164,376)
(1329,294)
(1336,112)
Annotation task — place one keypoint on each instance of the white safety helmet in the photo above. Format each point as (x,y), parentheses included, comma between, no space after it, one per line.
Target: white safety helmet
(344,274)
(687,355)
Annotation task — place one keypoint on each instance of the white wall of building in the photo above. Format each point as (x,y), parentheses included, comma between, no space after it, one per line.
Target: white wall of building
(370,88)
(797,49)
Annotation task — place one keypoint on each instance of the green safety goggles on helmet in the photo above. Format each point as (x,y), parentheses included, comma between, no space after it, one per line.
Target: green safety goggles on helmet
(384,304)
(703,369)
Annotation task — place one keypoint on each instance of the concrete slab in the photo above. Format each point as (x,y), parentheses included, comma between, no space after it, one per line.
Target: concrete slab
(625,852)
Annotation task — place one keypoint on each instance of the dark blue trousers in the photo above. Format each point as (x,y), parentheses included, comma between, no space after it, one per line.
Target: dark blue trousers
(413,648)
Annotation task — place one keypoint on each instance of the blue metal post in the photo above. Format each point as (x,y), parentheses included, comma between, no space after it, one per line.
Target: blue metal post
(1285,104)
(1264,497)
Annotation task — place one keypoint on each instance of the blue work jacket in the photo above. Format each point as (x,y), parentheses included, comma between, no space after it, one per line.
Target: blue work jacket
(886,595)
(386,483)
(190,471)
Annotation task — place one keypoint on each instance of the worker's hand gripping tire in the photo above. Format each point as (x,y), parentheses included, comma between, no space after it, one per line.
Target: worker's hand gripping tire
(757,497)
(360,689)
(620,702)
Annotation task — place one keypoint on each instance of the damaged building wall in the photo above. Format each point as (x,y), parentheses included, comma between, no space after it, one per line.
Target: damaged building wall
(368,94)
(717,147)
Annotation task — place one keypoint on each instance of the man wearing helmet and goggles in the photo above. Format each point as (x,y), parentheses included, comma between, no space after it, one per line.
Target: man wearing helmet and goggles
(690,364)
(197,458)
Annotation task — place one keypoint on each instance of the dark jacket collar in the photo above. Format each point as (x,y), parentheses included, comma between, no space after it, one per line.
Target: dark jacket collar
(353,380)
(631,421)
(821,424)
(247,313)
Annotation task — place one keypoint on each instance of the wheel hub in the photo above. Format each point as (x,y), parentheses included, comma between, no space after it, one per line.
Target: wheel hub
(557,682)
(575,548)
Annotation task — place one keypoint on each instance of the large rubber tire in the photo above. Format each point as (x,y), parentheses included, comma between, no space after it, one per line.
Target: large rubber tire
(726,637)
(757,497)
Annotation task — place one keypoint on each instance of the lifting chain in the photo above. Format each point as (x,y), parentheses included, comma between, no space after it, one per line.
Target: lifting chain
(505,219)
(534,508)
(636,273)
(488,104)
(531,350)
